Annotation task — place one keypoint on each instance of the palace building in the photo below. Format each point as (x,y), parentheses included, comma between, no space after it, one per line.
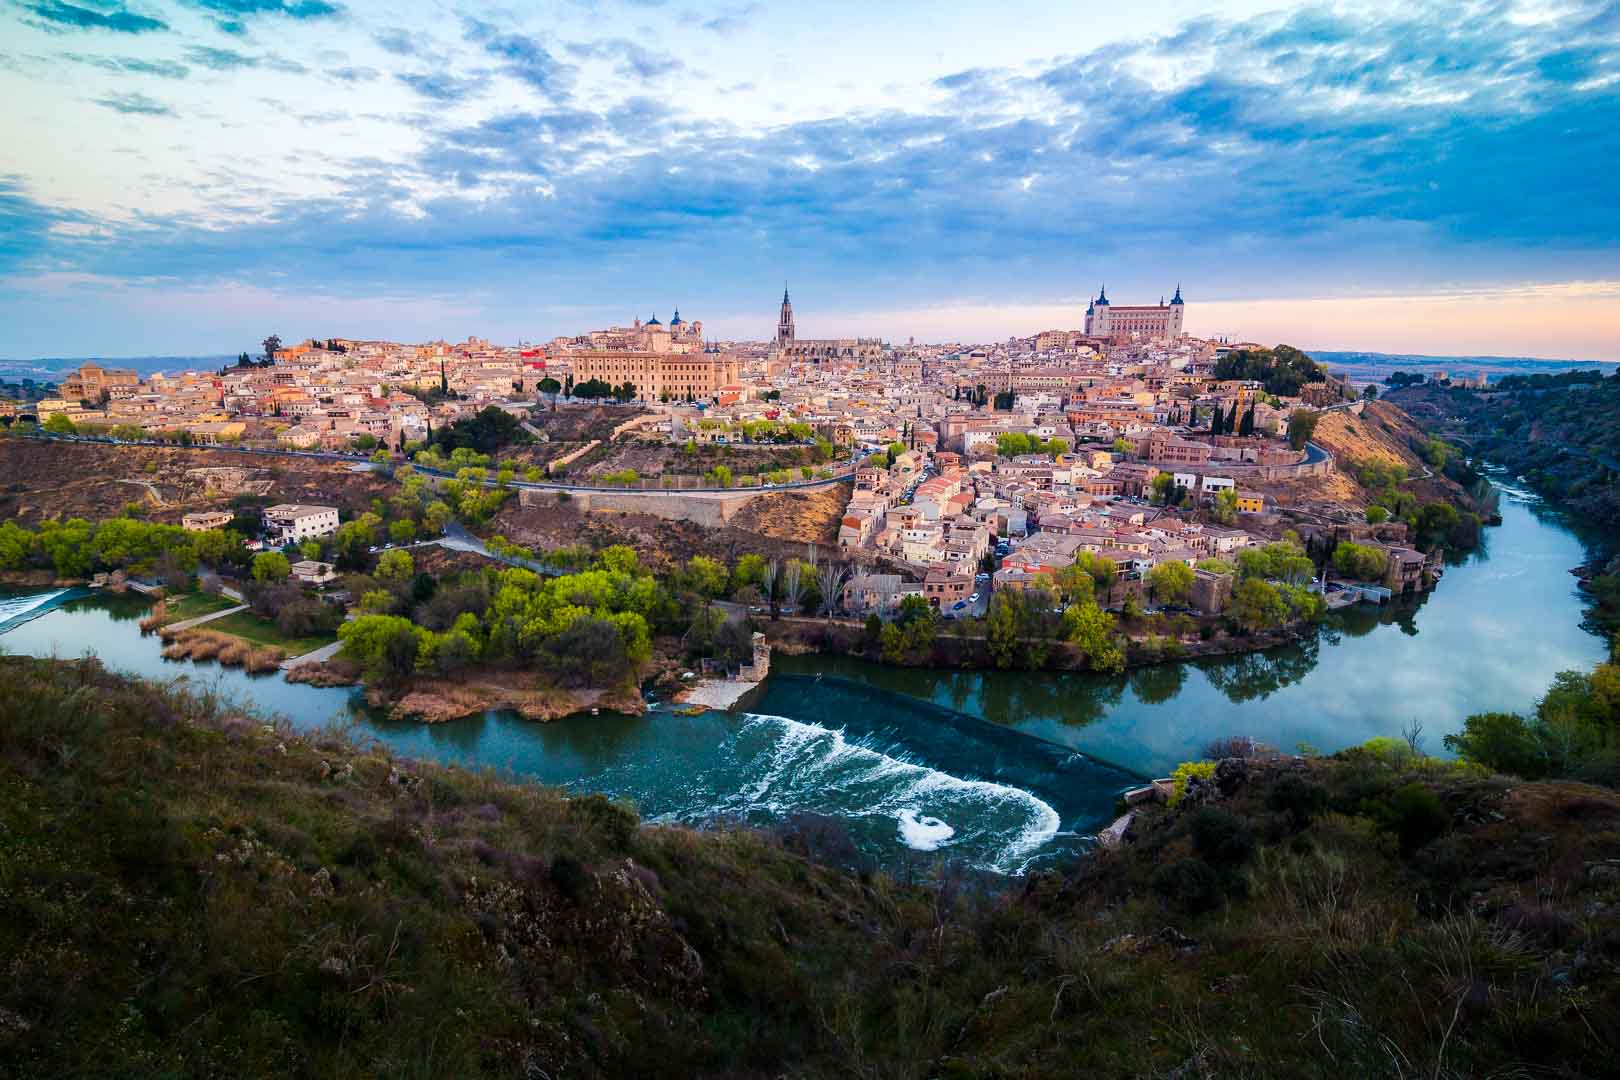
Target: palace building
(1122,323)
(675,376)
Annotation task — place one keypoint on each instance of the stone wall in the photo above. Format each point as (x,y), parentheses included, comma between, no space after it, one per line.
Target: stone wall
(710,511)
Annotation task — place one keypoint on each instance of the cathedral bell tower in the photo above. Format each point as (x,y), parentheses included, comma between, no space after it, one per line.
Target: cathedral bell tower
(784,323)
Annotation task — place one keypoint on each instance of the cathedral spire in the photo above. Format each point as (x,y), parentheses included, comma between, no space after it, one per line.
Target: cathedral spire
(784,322)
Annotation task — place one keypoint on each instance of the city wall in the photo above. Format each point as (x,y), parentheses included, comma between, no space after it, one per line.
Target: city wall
(710,511)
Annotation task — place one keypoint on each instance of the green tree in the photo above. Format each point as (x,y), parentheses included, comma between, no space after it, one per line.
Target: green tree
(1161,487)
(436,517)
(749,571)
(1301,426)
(1226,506)
(1502,742)
(1258,605)
(58,424)
(1001,628)
(704,576)
(396,566)
(910,637)
(1171,582)
(1075,583)
(385,646)
(1281,370)
(16,546)
(1092,629)
(271,566)
(1359,561)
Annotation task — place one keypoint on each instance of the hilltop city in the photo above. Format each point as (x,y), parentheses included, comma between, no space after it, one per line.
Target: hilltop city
(1126,445)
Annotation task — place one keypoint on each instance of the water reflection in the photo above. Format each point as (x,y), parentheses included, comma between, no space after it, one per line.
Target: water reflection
(1461,649)
(1157,684)
(1256,676)
(1502,623)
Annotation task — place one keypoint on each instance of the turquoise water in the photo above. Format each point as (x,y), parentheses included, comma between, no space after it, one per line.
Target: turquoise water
(1503,621)
(1003,769)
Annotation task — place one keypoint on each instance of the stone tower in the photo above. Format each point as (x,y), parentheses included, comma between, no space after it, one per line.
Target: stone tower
(784,323)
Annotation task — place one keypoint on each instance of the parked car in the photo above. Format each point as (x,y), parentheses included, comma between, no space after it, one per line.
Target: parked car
(974,599)
(959,605)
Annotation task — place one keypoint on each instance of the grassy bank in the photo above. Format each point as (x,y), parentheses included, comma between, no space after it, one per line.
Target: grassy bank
(194,606)
(258,631)
(187,891)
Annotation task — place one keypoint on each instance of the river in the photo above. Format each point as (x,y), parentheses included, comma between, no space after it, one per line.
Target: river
(1006,770)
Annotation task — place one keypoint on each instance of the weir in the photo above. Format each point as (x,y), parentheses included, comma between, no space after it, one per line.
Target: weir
(16,610)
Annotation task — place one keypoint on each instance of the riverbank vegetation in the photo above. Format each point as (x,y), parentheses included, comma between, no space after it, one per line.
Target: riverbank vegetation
(590,628)
(1573,733)
(77,548)
(190,891)
(1561,433)
(205,644)
(1436,523)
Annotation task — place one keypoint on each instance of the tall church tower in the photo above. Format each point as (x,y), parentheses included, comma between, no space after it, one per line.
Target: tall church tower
(784,323)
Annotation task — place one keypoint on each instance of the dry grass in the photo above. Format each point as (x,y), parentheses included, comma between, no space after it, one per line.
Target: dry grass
(155,618)
(189,891)
(200,645)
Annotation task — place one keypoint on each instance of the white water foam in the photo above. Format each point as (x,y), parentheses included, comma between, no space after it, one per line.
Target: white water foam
(808,763)
(923,833)
(18,607)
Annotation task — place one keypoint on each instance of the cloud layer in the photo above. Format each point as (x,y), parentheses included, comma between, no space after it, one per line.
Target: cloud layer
(1311,153)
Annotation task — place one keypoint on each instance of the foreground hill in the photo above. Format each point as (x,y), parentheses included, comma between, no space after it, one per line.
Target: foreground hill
(187,891)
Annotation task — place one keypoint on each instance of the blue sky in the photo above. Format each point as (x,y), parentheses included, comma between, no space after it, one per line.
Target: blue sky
(188,175)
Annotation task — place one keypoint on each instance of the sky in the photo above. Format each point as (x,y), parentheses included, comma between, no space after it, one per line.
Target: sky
(187,176)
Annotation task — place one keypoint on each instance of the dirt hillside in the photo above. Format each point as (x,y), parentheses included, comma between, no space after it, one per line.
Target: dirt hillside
(796,515)
(778,524)
(41,480)
(1381,433)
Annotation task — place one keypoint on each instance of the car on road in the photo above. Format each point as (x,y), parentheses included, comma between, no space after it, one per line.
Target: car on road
(974,599)
(959,605)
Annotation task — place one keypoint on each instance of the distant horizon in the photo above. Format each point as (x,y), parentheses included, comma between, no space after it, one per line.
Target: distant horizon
(1310,350)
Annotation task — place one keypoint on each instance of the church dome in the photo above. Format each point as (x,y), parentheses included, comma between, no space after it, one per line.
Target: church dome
(653,322)
(676,321)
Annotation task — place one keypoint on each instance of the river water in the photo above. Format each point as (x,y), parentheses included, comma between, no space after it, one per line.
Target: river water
(1006,770)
